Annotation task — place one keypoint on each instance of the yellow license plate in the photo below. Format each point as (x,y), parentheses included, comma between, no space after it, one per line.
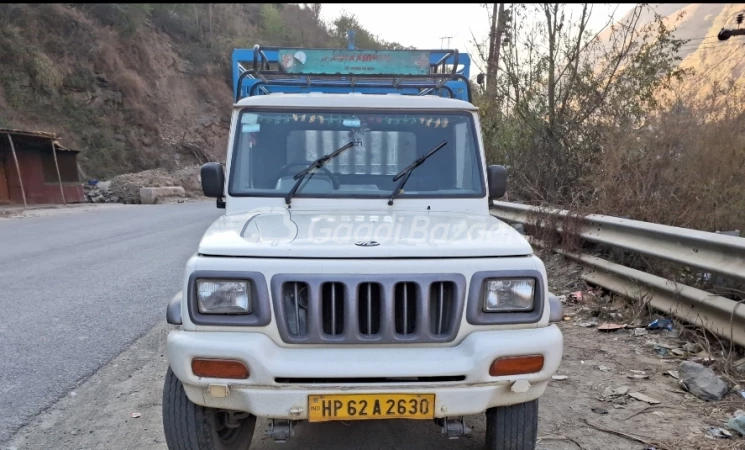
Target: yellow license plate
(323,408)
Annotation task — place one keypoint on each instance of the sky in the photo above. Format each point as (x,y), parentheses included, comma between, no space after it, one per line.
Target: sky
(423,25)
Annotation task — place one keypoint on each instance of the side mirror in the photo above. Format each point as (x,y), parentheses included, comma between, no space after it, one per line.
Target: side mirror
(213,182)
(496,176)
(480,79)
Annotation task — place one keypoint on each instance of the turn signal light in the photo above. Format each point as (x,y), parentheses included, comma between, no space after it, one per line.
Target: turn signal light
(516,365)
(219,368)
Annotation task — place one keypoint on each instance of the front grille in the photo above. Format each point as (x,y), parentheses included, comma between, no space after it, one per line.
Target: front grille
(359,309)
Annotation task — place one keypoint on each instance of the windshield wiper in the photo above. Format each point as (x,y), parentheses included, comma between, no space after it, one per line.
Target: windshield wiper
(315,165)
(407,171)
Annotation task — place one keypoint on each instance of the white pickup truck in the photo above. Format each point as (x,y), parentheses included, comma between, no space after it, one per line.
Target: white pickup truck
(357,274)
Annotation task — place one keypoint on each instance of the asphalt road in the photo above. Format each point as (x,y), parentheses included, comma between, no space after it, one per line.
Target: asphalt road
(77,289)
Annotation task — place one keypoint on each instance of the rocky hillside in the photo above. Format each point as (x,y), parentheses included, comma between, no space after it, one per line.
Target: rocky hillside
(713,61)
(139,86)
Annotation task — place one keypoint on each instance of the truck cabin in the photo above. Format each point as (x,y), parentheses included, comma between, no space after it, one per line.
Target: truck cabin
(382,141)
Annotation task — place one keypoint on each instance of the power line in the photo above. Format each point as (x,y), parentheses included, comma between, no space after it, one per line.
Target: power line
(701,76)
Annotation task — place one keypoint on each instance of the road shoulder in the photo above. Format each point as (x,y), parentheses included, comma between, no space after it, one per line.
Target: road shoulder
(98,413)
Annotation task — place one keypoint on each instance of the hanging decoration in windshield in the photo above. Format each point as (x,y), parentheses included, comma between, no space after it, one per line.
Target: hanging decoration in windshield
(353,121)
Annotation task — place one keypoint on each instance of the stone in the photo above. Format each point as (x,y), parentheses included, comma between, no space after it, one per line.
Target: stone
(702,381)
(737,423)
(644,398)
(519,227)
(150,195)
(691,347)
(520,386)
(621,390)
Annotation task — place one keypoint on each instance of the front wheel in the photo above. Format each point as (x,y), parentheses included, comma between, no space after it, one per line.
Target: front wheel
(189,426)
(513,427)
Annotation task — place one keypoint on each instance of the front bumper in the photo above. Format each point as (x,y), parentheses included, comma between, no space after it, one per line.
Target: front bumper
(263,396)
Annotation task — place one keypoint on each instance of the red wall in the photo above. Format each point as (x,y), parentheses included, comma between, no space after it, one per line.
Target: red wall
(37,191)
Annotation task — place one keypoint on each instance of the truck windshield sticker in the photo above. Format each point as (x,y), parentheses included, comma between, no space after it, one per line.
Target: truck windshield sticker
(361,62)
(251,128)
(249,118)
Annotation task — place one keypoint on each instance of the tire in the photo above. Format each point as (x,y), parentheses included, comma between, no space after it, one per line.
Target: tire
(189,426)
(512,427)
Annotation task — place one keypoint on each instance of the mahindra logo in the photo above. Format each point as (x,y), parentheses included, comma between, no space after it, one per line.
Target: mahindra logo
(367,243)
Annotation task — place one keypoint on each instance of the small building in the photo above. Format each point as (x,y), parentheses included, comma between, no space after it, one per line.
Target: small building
(36,169)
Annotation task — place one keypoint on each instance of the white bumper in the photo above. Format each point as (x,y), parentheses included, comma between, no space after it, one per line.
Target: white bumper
(262,396)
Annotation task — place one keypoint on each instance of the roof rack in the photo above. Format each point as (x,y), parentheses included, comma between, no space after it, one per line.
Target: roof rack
(408,72)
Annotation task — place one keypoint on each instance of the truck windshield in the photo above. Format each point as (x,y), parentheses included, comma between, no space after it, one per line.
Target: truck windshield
(271,147)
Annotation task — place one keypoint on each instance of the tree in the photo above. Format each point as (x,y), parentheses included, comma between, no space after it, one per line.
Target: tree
(271,24)
(495,42)
(363,39)
(315,9)
(562,87)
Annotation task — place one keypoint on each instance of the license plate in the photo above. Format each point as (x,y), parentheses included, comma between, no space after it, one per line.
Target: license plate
(323,408)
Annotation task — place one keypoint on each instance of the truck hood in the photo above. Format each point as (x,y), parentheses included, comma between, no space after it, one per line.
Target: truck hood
(278,232)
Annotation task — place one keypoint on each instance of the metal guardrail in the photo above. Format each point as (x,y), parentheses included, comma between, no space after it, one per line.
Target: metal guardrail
(711,252)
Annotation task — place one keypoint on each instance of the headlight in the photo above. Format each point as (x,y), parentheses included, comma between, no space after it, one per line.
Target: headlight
(223,297)
(508,295)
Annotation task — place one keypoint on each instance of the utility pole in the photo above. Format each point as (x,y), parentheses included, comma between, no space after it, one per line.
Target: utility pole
(442,39)
(495,43)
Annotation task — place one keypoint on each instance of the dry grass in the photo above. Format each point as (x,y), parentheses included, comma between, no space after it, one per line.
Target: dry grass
(131,84)
(680,169)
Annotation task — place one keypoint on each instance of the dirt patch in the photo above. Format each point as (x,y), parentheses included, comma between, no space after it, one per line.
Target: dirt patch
(190,180)
(563,275)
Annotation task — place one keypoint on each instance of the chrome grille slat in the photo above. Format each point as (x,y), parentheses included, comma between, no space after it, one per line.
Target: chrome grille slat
(297,310)
(369,302)
(440,301)
(332,301)
(292,293)
(406,309)
(369,308)
(333,310)
(361,309)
